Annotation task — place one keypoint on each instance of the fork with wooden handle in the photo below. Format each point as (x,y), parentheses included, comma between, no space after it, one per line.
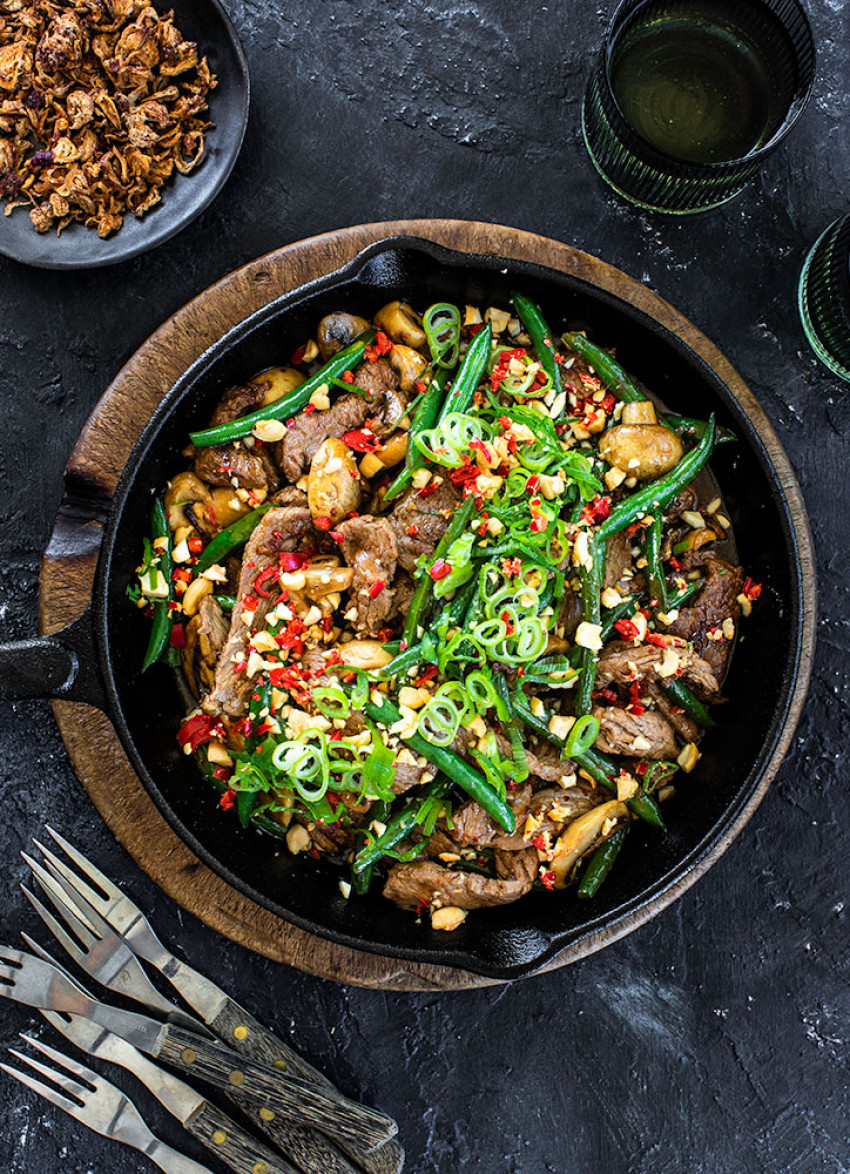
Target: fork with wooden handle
(98,950)
(99,1105)
(205,1121)
(223,1015)
(27,979)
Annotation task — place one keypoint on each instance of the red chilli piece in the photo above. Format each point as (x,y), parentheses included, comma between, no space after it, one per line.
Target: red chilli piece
(413,529)
(293,560)
(376,588)
(381,346)
(227,800)
(548,880)
(195,544)
(428,674)
(427,490)
(597,510)
(626,629)
(751,590)
(177,639)
(675,563)
(323,522)
(439,570)
(196,730)
(298,356)
(361,440)
(266,576)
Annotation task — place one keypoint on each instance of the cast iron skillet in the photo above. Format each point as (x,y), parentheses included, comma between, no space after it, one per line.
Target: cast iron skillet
(98,658)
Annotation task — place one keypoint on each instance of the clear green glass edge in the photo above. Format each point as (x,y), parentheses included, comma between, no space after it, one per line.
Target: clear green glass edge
(809,330)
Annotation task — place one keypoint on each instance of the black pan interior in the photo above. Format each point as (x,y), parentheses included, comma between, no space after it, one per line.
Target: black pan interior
(500,942)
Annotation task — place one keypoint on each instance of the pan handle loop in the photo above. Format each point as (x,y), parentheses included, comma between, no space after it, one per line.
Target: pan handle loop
(57,666)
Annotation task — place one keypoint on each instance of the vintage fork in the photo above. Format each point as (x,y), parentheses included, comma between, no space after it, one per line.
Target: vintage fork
(107,959)
(29,980)
(99,1105)
(212,1128)
(230,1021)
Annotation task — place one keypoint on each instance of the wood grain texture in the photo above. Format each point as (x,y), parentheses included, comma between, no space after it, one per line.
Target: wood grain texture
(265,1088)
(93,472)
(245,1034)
(233,1146)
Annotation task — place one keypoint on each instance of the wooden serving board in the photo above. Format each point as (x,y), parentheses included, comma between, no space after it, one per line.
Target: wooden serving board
(69,564)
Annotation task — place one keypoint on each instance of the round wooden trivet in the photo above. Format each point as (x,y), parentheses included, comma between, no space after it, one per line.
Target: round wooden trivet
(68,568)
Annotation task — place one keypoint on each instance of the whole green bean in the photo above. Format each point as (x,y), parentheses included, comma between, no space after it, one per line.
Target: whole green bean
(469,374)
(657,494)
(419,604)
(235,535)
(538,331)
(656,581)
(695,429)
(591,579)
(424,417)
(600,864)
(398,827)
(452,765)
(615,378)
(596,764)
(288,405)
(681,695)
(162,615)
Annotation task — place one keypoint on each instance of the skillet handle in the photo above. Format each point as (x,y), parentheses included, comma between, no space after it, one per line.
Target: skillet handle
(61,665)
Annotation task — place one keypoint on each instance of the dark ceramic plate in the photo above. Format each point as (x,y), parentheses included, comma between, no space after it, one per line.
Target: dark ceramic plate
(184,196)
(711,804)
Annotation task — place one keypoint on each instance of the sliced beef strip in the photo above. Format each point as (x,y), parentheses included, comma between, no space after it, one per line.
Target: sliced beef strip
(569,617)
(411,774)
(716,601)
(369,547)
(223,464)
(618,559)
(220,464)
(622,662)
(518,866)
(474,828)
(290,495)
(685,726)
(546,763)
(384,408)
(213,629)
(429,515)
(551,809)
(296,451)
(403,588)
(333,839)
(408,885)
(282,528)
(619,730)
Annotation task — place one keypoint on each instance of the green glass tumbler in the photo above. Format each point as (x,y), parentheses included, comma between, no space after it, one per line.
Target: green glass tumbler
(689,97)
(824,297)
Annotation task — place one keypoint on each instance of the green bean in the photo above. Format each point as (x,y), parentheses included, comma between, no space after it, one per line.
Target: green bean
(657,494)
(398,827)
(452,765)
(652,553)
(620,611)
(424,417)
(225,602)
(591,579)
(288,405)
(597,765)
(600,864)
(421,653)
(615,378)
(695,429)
(681,695)
(684,595)
(469,375)
(541,336)
(162,615)
(419,608)
(229,539)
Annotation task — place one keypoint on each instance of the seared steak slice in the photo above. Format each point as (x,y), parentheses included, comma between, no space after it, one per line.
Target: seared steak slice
(369,547)
(385,407)
(645,735)
(474,828)
(213,629)
(224,464)
(622,662)
(685,726)
(420,522)
(409,885)
(285,528)
(717,601)
(236,402)
(618,559)
(301,443)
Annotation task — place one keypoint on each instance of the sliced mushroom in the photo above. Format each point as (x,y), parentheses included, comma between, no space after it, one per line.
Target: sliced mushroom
(333,484)
(364,654)
(281,381)
(227,507)
(184,489)
(401,323)
(582,835)
(337,330)
(408,364)
(644,451)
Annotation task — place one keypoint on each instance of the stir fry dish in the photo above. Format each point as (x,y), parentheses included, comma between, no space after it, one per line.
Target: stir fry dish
(450,607)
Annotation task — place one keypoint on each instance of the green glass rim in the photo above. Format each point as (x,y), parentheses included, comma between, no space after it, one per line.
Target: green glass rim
(814,340)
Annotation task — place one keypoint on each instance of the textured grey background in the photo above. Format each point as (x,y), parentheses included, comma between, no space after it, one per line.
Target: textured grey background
(712,1040)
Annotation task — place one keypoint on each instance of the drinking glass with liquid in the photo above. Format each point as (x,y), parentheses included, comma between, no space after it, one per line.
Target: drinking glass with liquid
(689,97)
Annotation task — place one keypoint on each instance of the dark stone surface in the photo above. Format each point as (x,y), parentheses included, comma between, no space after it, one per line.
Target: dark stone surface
(712,1040)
